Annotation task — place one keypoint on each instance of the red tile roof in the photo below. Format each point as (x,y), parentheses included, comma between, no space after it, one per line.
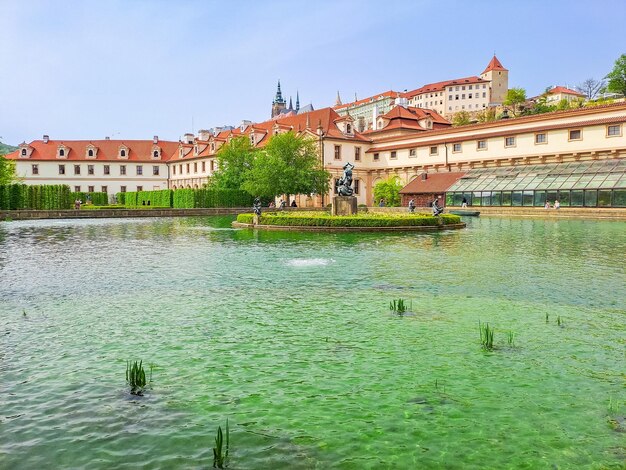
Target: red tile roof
(561,89)
(107,150)
(494,64)
(434,183)
(386,94)
(440,86)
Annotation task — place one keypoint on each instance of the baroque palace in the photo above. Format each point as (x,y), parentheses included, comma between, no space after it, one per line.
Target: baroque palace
(575,155)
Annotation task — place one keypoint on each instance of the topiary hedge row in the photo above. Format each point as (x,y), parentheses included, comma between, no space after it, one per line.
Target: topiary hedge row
(190,198)
(40,197)
(97,199)
(160,198)
(362,220)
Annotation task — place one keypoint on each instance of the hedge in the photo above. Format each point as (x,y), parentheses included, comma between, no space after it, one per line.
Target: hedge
(97,199)
(40,197)
(186,198)
(326,220)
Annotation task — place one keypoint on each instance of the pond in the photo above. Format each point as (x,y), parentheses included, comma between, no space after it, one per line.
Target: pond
(289,337)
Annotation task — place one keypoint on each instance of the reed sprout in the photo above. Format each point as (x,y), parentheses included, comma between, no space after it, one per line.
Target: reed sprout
(486,335)
(558,321)
(400,306)
(220,451)
(547,318)
(510,336)
(136,377)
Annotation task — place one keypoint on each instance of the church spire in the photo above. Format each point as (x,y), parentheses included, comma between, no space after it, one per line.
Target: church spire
(290,105)
(338,102)
(279,95)
(297,101)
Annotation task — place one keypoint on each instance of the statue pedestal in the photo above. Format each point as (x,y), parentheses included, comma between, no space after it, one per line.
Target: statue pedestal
(256,219)
(344,205)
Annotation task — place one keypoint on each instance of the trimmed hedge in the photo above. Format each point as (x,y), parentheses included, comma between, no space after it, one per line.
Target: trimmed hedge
(186,198)
(40,197)
(365,220)
(97,199)
(159,198)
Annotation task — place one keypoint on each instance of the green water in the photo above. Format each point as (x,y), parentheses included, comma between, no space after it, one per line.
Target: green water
(289,337)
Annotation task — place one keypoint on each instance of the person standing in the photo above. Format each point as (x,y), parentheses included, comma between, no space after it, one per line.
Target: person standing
(464,202)
(381,203)
(557,204)
(411,206)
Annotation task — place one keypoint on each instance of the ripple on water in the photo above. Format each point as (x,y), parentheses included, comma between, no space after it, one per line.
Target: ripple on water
(289,336)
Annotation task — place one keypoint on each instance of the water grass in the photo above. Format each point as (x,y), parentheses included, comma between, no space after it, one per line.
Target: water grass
(547,318)
(220,451)
(486,336)
(510,336)
(136,377)
(558,321)
(400,306)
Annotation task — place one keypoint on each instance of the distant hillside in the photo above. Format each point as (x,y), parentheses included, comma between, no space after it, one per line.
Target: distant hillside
(4,148)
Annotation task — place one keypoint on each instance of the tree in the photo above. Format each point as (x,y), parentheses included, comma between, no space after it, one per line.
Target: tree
(389,190)
(486,115)
(590,88)
(461,118)
(7,170)
(288,164)
(617,76)
(234,159)
(514,98)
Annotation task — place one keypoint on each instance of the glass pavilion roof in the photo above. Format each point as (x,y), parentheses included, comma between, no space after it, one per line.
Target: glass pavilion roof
(601,174)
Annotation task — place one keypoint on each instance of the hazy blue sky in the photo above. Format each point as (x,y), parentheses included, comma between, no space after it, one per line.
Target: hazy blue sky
(133,69)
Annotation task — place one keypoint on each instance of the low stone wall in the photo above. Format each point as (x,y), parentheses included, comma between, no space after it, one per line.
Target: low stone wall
(562,213)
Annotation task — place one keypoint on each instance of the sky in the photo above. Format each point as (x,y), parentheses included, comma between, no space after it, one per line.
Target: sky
(132,69)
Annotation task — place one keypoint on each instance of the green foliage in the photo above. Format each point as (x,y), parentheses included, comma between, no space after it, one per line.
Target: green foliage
(7,170)
(5,148)
(220,451)
(389,190)
(510,336)
(323,219)
(486,336)
(160,198)
(136,377)
(486,115)
(461,118)
(399,306)
(120,198)
(98,199)
(288,164)
(190,198)
(617,76)
(234,159)
(41,197)
(514,98)
(558,320)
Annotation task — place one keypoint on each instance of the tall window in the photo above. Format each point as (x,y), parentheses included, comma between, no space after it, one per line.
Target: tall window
(139,188)
(195,167)
(122,189)
(105,189)
(61,152)
(173,169)
(139,170)
(155,170)
(107,170)
(90,152)
(91,189)
(35,169)
(123,170)
(90,170)
(187,168)
(212,165)
(337,152)
(77,169)
(61,169)
(357,154)
(203,167)
(155,154)
(357,186)
(23,152)
(122,153)
(77,189)
(376,157)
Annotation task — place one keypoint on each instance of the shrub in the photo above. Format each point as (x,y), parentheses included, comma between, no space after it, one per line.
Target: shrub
(96,198)
(38,197)
(300,219)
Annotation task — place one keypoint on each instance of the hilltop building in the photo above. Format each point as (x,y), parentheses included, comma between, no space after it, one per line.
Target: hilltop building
(280,108)
(470,94)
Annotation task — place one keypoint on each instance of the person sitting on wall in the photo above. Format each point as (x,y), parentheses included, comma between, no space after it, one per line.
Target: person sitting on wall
(436,209)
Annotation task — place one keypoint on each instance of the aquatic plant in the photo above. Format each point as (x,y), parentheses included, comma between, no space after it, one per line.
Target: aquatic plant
(220,451)
(23,313)
(136,377)
(547,318)
(558,321)
(510,337)
(486,335)
(400,306)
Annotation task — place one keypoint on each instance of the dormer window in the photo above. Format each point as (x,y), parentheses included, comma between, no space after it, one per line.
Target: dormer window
(348,128)
(212,146)
(252,139)
(195,150)
(23,152)
(91,151)
(123,152)
(180,152)
(155,154)
(62,151)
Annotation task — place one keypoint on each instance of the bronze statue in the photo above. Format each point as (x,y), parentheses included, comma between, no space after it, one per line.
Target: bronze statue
(343,186)
(257,206)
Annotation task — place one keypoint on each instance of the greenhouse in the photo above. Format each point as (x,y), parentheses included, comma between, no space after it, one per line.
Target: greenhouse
(577,184)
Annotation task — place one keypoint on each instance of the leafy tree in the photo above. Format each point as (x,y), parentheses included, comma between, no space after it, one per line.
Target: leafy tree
(617,76)
(389,190)
(234,159)
(514,98)
(486,115)
(590,88)
(288,164)
(7,170)
(461,118)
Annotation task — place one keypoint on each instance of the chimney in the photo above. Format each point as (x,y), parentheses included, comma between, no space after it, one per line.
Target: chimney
(107,138)
(424,176)
(188,138)
(46,138)
(204,134)
(155,139)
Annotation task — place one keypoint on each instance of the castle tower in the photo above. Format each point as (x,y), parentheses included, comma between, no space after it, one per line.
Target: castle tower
(338,100)
(297,101)
(279,103)
(499,78)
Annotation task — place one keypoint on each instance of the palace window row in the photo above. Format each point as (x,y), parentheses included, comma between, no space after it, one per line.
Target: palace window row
(106,170)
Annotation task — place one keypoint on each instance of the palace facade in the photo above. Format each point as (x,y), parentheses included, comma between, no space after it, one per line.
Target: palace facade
(407,143)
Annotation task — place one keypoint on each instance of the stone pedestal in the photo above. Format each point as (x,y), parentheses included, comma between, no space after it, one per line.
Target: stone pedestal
(256,220)
(344,205)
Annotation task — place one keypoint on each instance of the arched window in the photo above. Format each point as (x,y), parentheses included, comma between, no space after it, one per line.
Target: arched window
(155,154)
(122,153)
(90,152)
(61,152)
(23,152)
